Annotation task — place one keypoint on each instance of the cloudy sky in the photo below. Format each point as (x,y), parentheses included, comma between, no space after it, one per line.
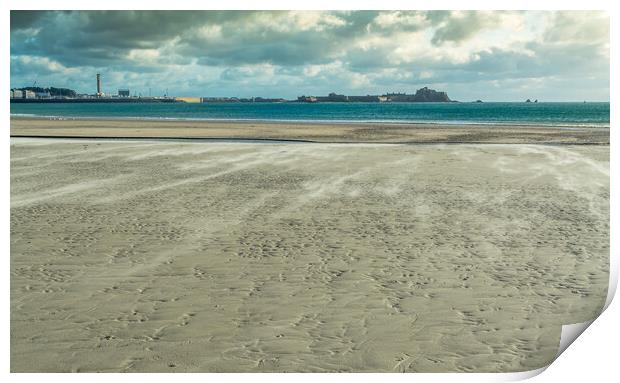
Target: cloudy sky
(502,56)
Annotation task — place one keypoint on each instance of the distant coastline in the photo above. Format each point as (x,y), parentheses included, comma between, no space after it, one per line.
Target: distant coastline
(28,95)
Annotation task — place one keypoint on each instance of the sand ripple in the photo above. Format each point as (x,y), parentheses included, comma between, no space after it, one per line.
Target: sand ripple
(164,256)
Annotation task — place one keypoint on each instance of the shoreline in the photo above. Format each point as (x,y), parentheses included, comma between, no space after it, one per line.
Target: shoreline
(245,140)
(456,123)
(310,131)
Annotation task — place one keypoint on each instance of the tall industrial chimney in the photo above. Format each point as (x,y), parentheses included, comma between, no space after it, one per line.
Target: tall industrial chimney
(99,93)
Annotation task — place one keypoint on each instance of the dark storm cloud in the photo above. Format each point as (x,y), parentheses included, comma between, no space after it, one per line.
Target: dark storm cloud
(87,38)
(252,41)
(24,19)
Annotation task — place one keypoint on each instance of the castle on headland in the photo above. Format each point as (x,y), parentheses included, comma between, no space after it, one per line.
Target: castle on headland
(421,95)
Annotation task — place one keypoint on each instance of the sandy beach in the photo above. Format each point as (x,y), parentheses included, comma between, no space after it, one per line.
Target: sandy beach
(167,256)
(312,132)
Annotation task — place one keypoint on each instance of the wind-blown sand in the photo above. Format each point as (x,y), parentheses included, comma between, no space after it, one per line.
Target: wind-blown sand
(209,256)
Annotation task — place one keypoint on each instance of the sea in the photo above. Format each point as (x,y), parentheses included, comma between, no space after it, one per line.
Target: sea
(592,114)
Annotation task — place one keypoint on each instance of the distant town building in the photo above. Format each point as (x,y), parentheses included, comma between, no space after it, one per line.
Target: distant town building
(99,88)
(17,93)
(123,93)
(28,94)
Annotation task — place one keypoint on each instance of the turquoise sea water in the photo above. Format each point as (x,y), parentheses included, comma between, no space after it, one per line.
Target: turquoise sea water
(570,114)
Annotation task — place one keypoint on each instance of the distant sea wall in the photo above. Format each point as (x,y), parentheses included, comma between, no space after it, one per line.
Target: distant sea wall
(129,100)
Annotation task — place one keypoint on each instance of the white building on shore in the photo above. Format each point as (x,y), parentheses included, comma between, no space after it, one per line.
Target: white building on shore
(19,93)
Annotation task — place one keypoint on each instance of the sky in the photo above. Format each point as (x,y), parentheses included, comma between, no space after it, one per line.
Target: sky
(487,55)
